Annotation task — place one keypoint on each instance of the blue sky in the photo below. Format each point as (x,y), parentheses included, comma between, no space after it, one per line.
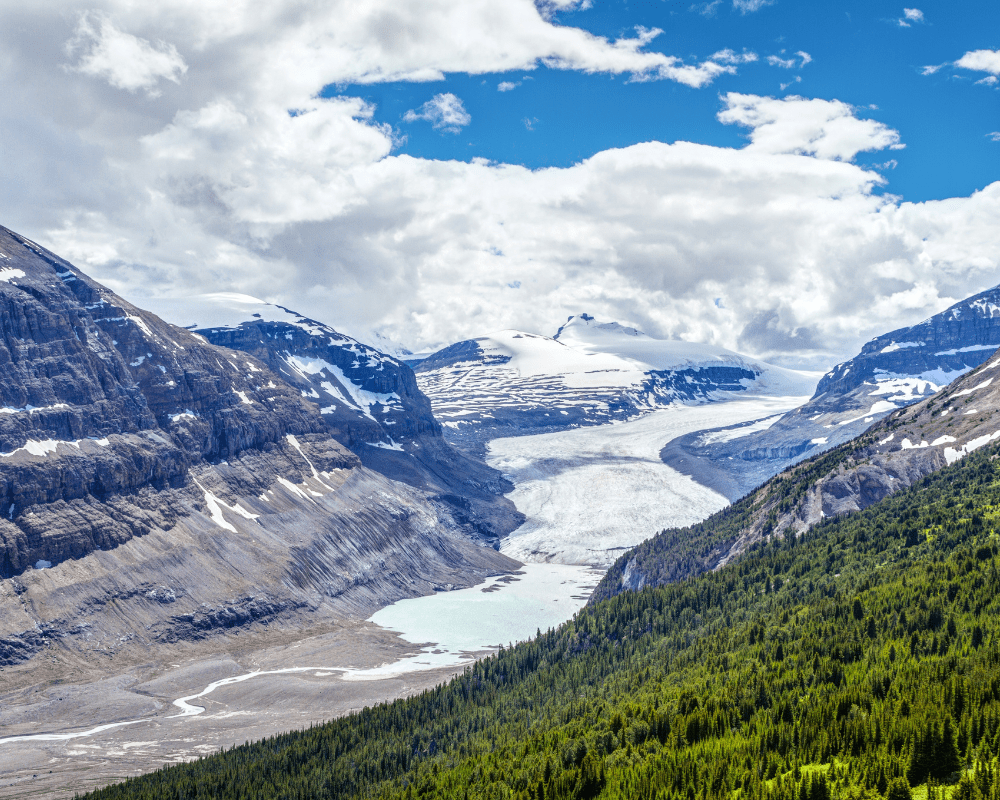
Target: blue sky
(860,52)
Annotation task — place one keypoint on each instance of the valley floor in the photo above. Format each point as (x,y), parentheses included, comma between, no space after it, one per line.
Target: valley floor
(158,732)
(591,493)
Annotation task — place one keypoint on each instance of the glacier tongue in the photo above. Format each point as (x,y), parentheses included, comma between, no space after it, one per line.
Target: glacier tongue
(592,492)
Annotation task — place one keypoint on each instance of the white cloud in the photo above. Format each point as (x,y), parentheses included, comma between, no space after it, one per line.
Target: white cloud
(749,6)
(930,70)
(444,111)
(825,129)
(790,63)
(728,56)
(981,61)
(913,14)
(989,80)
(780,246)
(994,136)
(506,86)
(123,60)
(707,9)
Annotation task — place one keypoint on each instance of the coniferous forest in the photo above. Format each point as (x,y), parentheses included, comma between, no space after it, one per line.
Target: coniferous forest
(860,660)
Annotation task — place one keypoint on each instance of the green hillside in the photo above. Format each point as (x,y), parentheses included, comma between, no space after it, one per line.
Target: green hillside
(856,661)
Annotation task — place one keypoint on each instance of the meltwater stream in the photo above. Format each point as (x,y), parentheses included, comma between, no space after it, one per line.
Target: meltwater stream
(455,627)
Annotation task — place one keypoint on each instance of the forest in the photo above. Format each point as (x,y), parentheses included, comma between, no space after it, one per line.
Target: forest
(859,660)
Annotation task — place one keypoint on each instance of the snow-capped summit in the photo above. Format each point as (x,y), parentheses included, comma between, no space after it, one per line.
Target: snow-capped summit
(892,371)
(587,334)
(512,382)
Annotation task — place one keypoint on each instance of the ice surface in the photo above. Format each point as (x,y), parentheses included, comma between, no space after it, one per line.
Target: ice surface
(590,493)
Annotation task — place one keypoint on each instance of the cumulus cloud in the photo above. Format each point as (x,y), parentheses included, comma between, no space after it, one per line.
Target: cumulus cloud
(825,129)
(123,60)
(444,111)
(244,180)
(506,86)
(981,61)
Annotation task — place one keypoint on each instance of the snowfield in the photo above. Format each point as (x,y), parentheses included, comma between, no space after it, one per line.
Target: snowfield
(590,493)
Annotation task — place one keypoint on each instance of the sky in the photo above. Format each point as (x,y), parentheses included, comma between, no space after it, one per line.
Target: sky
(782,178)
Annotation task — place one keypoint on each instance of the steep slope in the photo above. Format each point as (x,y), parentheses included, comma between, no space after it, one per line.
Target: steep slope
(591,373)
(857,662)
(154,486)
(369,402)
(891,455)
(891,371)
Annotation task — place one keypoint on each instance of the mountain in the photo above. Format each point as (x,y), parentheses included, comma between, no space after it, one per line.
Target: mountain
(155,487)
(893,454)
(859,661)
(590,373)
(892,371)
(369,402)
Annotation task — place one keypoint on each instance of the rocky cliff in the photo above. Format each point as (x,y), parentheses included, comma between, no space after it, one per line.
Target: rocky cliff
(154,485)
(369,402)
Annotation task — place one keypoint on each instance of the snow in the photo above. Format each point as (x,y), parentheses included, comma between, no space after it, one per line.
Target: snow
(43,564)
(361,399)
(965,392)
(589,493)
(820,440)
(185,414)
(295,443)
(390,446)
(587,369)
(44,447)
(140,324)
(32,409)
(215,506)
(229,310)
(971,348)
(894,346)
(7,274)
(888,439)
(243,397)
(952,455)
(590,354)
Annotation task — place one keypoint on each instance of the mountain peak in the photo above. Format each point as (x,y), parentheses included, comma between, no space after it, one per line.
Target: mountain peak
(576,325)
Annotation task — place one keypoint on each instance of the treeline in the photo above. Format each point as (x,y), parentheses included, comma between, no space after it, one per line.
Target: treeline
(860,660)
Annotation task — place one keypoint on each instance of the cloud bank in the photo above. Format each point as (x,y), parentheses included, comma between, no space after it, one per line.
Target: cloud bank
(206,161)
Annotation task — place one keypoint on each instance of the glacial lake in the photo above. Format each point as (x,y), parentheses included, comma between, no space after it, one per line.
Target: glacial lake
(503,610)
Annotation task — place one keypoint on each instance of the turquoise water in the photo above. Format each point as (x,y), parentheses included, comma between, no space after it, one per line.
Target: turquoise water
(455,625)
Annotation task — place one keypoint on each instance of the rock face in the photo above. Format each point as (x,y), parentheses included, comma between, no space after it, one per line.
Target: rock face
(891,455)
(590,373)
(368,401)
(891,372)
(144,468)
